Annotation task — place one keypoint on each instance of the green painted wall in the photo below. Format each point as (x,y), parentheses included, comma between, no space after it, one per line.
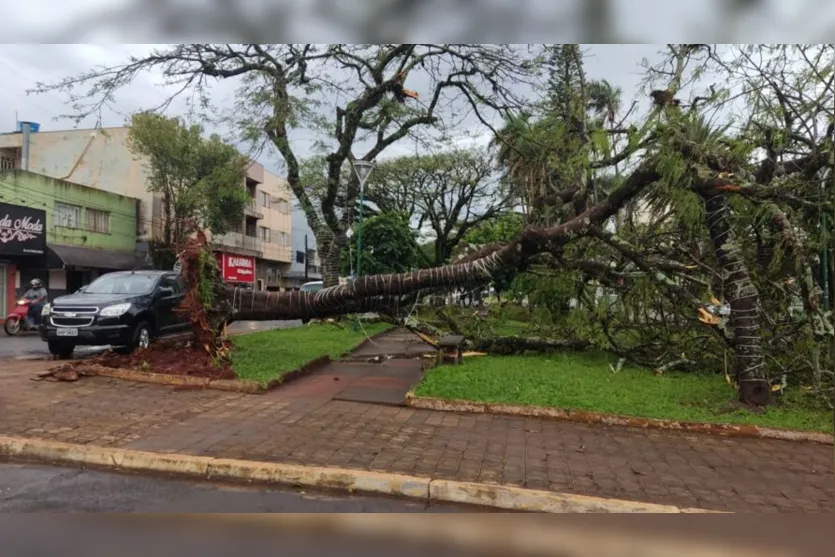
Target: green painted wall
(18,187)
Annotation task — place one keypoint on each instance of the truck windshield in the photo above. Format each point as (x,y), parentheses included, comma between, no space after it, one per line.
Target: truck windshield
(121,284)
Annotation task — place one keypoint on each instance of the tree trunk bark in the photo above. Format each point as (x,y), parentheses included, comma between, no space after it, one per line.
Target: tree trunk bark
(331,248)
(743,297)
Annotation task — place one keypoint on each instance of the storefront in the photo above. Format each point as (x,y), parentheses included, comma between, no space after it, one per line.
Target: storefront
(237,269)
(22,247)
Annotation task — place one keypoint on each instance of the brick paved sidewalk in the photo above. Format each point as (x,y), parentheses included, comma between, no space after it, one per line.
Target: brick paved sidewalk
(292,426)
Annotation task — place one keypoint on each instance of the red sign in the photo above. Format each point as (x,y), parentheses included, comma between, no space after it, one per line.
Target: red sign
(236,268)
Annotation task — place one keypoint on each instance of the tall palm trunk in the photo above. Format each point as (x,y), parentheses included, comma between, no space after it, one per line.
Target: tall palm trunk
(743,297)
(209,304)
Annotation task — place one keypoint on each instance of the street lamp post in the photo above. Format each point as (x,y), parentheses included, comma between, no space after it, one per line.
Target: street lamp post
(363,169)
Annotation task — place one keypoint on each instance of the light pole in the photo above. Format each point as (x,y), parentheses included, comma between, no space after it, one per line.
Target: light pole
(363,169)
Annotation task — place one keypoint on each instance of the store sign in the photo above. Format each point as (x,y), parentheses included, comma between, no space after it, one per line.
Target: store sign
(22,230)
(236,268)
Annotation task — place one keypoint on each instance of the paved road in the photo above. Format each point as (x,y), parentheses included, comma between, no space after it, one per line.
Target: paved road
(34,488)
(28,346)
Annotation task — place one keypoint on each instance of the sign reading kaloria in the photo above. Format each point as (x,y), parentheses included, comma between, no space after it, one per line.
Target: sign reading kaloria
(236,268)
(22,230)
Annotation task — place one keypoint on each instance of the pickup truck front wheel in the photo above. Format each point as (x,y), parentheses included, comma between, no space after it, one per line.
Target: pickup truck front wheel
(61,349)
(141,339)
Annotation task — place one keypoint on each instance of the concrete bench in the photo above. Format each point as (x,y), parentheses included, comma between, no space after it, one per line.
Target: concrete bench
(450,349)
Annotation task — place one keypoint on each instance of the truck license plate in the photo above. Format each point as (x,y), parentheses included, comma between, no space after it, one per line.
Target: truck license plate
(66,332)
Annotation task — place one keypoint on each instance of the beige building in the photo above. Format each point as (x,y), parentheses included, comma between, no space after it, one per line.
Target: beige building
(101,159)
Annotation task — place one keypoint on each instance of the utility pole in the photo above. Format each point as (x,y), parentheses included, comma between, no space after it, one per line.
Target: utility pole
(306,262)
(363,169)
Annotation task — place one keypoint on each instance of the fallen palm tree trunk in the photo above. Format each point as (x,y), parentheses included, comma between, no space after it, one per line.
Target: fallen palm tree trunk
(210,305)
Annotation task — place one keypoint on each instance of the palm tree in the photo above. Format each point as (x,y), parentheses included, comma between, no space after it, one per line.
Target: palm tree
(603,100)
(522,150)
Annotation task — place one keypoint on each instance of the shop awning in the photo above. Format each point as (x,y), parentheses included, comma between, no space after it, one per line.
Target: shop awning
(77,256)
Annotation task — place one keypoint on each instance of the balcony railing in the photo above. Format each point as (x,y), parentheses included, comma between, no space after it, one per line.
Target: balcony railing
(239,241)
(252,242)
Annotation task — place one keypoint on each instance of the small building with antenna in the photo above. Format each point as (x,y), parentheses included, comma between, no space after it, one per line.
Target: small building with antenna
(257,253)
(63,233)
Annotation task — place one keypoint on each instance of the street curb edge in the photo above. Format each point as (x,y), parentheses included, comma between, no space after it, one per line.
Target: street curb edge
(383,483)
(586,417)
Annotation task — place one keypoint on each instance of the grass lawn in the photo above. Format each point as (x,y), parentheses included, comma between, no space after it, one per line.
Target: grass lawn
(583,380)
(268,355)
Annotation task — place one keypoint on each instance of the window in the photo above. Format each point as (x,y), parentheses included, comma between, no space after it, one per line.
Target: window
(6,163)
(283,205)
(68,216)
(171,282)
(98,221)
(264,234)
(264,199)
(299,257)
(283,239)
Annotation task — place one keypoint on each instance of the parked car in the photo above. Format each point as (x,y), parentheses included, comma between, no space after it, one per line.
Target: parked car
(125,309)
(313,286)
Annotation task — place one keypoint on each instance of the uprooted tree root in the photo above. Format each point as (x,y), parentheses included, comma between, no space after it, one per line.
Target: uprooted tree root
(169,357)
(206,304)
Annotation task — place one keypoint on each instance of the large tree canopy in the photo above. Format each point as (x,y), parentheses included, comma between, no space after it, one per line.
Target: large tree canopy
(355,96)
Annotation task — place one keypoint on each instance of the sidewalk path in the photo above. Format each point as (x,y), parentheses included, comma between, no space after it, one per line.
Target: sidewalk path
(300,425)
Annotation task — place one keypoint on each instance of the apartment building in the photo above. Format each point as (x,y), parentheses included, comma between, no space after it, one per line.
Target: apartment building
(257,253)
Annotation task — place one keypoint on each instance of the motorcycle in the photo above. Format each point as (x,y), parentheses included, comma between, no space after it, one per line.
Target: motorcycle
(19,320)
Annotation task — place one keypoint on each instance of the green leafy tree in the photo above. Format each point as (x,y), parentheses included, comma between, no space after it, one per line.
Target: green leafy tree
(497,231)
(388,246)
(446,194)
(200,180)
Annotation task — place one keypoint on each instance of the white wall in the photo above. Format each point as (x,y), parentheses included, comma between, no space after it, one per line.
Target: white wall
(57,279)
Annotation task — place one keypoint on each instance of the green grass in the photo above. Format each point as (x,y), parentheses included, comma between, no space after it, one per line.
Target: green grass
(584,381)
(268,355)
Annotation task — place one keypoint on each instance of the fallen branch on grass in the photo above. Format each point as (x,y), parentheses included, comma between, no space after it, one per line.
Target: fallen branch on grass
(519,345)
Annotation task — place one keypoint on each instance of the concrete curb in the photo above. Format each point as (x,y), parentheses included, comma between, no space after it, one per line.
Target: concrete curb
(234,385)
(427,489)
(582,416)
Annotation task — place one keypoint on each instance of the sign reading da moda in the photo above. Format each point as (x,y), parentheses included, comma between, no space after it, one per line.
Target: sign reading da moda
(22,230)
(236,268)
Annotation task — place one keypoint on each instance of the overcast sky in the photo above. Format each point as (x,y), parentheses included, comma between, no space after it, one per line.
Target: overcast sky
(25,65)
(164,21)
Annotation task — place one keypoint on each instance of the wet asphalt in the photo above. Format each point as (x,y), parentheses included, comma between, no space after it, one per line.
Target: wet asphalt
(29,346)
(26,487)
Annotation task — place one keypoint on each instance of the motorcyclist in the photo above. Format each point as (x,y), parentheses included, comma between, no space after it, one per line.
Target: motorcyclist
(36,296)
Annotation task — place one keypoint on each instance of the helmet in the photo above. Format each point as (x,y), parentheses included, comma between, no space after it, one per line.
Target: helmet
(36,283)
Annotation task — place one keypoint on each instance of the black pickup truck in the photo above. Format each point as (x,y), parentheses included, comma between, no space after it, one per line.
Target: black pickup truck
(125,309)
